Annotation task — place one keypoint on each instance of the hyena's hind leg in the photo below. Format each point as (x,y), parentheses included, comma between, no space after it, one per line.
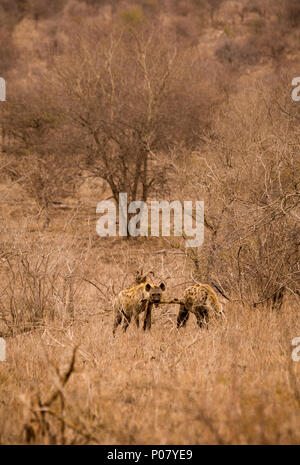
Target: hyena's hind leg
(202,316)
(127,320)
(117,321)
(183,316)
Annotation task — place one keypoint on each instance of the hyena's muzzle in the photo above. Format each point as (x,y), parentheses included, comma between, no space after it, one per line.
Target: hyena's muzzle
(155,293)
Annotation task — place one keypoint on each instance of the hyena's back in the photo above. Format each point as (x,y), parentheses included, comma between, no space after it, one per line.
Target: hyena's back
(201,300)
(201,295)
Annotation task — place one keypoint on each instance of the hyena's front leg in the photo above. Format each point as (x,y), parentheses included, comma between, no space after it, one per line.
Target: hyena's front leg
(117,320)
(205,314)
(199,319)
(183,316)
(137,320)
(202,316)
(147,318)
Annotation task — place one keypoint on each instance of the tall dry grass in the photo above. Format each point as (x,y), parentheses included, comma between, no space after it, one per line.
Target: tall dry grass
(234,383)
(220,126)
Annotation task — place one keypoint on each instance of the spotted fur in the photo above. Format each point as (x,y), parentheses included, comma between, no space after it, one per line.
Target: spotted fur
(131,302)
(201,300)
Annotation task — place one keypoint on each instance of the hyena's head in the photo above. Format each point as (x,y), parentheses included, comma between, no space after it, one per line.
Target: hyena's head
(154,293)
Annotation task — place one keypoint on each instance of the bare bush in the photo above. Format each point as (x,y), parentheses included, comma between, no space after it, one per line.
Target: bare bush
(127,96)
(38,288)
(31,152)
(249,183)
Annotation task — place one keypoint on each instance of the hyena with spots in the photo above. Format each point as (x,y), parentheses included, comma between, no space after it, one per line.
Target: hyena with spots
(131,302)
(201,300)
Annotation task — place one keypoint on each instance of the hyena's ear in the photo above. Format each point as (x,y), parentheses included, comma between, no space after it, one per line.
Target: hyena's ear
(140,277)
(148,287)
(162,286)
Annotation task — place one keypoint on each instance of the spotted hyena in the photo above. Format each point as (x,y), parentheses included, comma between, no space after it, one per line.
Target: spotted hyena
(201,300)
(135,300)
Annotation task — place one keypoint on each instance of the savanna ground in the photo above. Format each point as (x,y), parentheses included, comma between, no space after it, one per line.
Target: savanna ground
(162,100)
(234,383)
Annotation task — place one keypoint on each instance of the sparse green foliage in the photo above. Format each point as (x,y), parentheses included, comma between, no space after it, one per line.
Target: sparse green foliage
(133,16)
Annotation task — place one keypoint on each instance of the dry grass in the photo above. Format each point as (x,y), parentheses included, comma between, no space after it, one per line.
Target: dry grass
(226,132)
(232,384)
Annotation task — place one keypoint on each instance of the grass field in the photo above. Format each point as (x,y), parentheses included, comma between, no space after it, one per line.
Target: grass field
(234,383)
(175,102)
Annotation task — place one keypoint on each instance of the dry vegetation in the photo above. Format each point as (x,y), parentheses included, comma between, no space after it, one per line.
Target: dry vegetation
(185,100)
